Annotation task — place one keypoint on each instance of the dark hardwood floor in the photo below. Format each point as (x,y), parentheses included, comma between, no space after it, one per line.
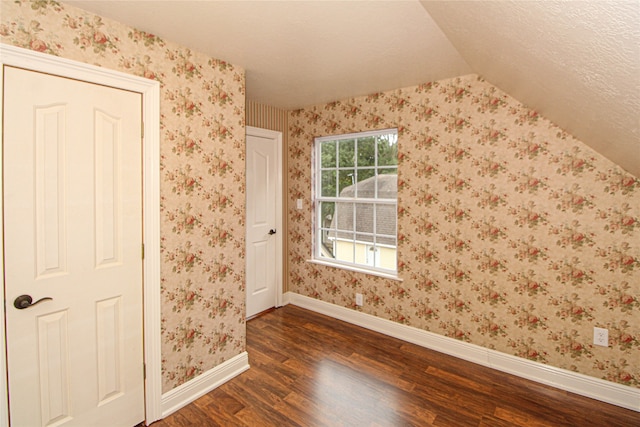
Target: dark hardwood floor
(311,370)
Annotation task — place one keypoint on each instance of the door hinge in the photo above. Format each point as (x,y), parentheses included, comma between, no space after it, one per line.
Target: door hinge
(143,251)
(142,131)
(144,371)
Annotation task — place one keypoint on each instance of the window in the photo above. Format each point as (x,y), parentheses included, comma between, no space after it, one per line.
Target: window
(355,199)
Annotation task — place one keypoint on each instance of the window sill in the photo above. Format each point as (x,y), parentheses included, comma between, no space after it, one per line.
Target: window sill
(357,270)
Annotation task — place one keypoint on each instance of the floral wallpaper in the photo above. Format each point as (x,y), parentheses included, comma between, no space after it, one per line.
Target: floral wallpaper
(202,167)
(512,234)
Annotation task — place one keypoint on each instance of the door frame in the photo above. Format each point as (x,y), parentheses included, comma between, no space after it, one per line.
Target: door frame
(150,90)
(277,137)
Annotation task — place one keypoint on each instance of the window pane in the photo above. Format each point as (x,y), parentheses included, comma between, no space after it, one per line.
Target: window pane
(328,184)
(386,258)
(326,245)
(328,154)
(386,224)
(326,220)
(346,181)
(344,219)
(388,171)
(366,183)
(387,149)
(373,258)
(387,185)
(346,153)
(366,151)
(327,212)
(345,250)
(363,239)
(364,219)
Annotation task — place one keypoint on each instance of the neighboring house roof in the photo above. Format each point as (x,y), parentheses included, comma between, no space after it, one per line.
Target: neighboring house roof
(364,213)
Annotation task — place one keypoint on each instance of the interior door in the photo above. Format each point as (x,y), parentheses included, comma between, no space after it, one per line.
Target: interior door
(263,201)
(73,233)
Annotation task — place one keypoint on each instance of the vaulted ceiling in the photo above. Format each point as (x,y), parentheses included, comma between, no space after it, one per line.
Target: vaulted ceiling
(577,63)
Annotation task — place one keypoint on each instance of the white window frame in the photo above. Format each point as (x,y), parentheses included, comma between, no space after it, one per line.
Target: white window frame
(317,226)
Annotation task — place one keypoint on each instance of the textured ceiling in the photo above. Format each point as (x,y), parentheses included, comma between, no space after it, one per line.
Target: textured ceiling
(577,63)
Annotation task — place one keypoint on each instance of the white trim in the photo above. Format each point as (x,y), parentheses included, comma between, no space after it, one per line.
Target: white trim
(203,384)
(584,385)
(354,135)
(277,137)
(317,198)
(150,90)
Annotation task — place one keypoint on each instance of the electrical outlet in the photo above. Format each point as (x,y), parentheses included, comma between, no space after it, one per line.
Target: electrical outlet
(601,337)
(359,300)
(298,204)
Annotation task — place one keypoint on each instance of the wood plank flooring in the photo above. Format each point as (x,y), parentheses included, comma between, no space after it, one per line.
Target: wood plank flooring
(311,370)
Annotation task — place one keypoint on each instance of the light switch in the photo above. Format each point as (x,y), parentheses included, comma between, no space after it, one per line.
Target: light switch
(298,204)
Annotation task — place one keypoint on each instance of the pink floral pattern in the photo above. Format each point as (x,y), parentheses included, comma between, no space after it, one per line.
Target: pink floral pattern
(202,189)
(512,235)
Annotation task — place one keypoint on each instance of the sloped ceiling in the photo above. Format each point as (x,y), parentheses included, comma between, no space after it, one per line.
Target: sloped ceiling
(577,63)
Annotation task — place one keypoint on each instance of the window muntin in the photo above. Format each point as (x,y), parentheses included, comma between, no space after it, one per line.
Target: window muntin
(356,200)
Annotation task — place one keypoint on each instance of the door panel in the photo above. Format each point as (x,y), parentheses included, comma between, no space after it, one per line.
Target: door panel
(73,232)
(49,191)
(53,357)
(262,204)
(110,352)
(107,209)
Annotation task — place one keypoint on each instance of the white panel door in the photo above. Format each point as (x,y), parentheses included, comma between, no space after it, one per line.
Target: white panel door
(73,233)
(263,256)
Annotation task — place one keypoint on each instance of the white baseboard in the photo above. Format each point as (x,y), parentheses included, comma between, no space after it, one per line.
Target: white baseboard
(584,385)
(204,383)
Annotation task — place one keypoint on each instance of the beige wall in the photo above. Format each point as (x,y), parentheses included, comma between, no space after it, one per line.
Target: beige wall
(202,173)
(512,234)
